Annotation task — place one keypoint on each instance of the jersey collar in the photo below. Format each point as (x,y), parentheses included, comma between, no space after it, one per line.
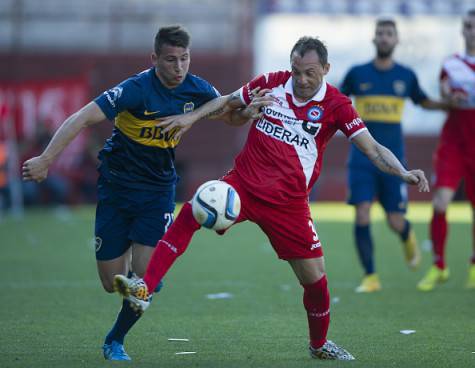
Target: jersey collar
(317,97)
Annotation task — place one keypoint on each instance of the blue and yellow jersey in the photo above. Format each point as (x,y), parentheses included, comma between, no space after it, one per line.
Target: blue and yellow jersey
(379,97)
(138,154)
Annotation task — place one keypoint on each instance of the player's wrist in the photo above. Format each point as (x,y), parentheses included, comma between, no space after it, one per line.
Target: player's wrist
(46,158)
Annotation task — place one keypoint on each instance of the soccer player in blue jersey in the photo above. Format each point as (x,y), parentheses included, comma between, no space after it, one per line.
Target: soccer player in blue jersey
(136,185)
(380,88)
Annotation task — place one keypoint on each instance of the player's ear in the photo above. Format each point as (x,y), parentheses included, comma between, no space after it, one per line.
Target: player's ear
(326,68)
(154,58)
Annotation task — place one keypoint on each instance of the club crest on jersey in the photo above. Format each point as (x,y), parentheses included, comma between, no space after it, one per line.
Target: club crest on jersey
(399,87)
(188,107)
(314,113)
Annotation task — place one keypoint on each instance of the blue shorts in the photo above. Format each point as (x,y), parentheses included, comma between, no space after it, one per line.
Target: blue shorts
(367,183)
(125,215)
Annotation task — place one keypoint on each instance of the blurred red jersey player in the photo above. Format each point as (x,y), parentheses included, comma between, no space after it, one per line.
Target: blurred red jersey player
(455,156)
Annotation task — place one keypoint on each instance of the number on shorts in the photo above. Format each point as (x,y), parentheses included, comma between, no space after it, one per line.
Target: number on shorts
(169,220)
(314,232)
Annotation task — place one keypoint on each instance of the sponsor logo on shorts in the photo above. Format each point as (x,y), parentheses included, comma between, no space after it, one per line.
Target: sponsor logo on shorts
(316,245)
(97,243)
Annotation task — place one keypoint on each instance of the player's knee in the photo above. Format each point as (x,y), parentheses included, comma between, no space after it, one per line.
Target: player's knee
(362,214)
(440,203)
(107,284)
(396,222)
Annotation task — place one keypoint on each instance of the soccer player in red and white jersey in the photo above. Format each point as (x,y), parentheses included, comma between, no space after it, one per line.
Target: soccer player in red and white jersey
(455,155)
(274,173)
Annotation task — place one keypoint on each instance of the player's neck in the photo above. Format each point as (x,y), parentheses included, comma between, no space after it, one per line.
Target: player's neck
(383,63)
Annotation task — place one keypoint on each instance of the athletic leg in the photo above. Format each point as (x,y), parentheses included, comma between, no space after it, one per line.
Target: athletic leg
(362,189)
(438,273)
(401,226)
(316,300)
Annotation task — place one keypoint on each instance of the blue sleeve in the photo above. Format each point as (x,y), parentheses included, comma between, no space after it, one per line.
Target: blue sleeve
(417,95)
(210,93)
(347,85)
(125,96)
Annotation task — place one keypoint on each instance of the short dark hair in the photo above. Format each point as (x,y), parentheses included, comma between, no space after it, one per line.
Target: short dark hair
(175,35)
(386,22)
(306,44)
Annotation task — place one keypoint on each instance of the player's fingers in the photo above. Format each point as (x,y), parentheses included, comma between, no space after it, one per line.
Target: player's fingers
(266,91)
(255,91)
(263,92)
(169,127)
(167,120)
(424,184)
(263,103)
(180,133)
(421,180)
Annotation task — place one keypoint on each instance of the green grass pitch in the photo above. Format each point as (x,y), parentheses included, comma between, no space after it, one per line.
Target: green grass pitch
(53,312)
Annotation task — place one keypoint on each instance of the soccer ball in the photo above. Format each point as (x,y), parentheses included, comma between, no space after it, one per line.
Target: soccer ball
(216,205)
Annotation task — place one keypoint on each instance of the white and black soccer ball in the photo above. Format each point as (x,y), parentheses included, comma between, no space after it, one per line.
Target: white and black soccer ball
(216,205)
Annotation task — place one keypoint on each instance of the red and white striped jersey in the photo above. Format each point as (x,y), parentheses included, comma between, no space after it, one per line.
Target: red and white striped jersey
(282,157)
(459,70)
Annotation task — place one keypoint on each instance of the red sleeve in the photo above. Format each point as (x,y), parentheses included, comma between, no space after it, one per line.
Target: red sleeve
(348,121)
(269,80)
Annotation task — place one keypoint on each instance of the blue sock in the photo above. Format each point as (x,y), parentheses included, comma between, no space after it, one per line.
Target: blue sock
(405,232)
(126,318)
(364,245)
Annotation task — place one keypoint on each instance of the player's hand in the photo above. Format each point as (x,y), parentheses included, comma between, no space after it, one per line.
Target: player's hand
(181,123)
(35,168)
(457,99)
(417,177)
(260,99)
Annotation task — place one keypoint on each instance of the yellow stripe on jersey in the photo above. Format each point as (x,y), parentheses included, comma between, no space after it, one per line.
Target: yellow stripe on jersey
(384,109)
(144,131)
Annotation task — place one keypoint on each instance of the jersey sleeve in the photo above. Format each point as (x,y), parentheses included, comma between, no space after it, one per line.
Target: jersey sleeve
(347,85)
(348,121)
(269,80)
(417,95)
(209,93)
(125,96)
(246,90)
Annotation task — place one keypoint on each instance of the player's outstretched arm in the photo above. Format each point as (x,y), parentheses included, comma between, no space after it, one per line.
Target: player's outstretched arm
(36,168)
(218,108)
(211,110)
(385,160)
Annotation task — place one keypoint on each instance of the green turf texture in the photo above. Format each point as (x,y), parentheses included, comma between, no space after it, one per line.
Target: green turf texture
(53,312)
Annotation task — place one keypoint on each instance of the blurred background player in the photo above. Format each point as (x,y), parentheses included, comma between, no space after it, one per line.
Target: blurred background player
(455,155)
(380,88)
(274,174)
(136,185)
